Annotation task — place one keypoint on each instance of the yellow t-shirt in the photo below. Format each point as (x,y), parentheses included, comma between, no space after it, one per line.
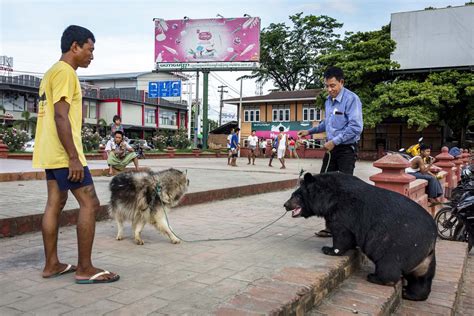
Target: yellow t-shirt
(59,81)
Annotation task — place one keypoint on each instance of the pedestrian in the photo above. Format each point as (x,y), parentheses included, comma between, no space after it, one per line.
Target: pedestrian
(282,144)
(343,126)
(263,146)
(252,142)
(234,147)
(229,151)
(292,148)
(59,151)
(273,154)
(116,126)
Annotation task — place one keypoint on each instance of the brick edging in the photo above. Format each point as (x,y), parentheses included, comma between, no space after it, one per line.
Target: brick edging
(14,226)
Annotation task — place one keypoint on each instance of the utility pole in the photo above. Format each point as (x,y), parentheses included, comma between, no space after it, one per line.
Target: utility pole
(222,91)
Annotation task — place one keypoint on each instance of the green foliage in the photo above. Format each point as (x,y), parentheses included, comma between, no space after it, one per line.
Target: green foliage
(290,56)
(159,141)
(90,139)
(180,139)
(28,122)
(14,138)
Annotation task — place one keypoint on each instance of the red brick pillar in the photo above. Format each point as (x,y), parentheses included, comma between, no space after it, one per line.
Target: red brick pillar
(445,161)
(458,163)
(393,176)
(3,150)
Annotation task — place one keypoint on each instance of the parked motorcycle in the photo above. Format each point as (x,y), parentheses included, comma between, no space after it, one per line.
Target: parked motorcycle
(455,221)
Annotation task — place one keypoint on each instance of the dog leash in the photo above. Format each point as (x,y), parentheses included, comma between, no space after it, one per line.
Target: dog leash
(158,192)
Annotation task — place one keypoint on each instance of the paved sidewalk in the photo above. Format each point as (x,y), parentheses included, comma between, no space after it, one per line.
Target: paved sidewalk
(29,197)
(159,277)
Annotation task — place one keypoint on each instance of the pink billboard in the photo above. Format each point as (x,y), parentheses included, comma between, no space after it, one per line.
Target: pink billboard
(207,40)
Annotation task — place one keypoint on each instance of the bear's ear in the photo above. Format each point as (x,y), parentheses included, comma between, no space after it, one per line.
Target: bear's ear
(308,178)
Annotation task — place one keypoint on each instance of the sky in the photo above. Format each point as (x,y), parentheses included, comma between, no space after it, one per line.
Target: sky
(30,30)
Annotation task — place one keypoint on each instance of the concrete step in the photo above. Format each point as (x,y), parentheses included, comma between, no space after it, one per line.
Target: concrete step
(291,291)
(357,296)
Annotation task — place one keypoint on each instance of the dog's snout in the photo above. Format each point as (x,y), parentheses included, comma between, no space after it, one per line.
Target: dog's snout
(287,204)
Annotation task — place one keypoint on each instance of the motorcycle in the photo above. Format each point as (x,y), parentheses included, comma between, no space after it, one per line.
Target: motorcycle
(455,221)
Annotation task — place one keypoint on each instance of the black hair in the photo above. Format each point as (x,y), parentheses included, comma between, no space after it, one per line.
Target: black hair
(118,132)
(334,72)
(281,128)
(424,147)
(237,130)
(116,117)
(254,131)
(75,33)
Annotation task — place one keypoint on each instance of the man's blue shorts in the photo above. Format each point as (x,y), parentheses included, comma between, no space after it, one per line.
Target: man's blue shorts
(61,174)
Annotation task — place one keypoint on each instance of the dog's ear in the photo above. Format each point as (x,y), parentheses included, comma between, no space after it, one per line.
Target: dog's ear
(308,178)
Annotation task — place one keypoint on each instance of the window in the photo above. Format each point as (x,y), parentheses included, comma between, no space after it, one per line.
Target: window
(150,116)
(90,107)
(281,113)
(311,114)
(252,115)
(167,117)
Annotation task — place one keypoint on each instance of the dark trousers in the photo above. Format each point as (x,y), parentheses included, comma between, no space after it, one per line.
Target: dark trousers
(434,188)
(342,158)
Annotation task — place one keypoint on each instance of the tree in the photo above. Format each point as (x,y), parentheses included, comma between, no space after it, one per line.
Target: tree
(28,122)
(365,59)
(213,125)
(290,56)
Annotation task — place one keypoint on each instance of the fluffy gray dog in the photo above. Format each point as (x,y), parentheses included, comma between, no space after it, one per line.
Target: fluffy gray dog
(142,197)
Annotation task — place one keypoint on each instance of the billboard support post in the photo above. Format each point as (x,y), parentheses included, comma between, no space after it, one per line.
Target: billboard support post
(205,106)
(196,112)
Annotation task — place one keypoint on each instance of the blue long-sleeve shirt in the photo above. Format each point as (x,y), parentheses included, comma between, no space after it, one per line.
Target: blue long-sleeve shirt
(343,118)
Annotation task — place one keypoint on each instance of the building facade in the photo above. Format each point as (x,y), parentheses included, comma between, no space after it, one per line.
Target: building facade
(292,110)
(104,96)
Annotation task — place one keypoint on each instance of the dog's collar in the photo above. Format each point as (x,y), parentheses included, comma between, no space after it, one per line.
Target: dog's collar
(158,189)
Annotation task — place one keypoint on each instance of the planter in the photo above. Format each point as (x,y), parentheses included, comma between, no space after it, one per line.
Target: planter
(171,151)
(3,150)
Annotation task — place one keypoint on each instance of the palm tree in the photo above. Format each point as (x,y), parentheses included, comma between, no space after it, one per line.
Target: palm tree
(29,121)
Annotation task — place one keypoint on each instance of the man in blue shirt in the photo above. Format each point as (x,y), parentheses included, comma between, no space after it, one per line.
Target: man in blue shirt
(343,126)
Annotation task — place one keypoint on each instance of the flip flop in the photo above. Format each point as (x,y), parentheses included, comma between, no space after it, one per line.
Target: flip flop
(68,269)
(93,279)
(323,233)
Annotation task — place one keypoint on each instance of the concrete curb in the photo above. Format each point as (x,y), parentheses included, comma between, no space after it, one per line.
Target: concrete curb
(10,227)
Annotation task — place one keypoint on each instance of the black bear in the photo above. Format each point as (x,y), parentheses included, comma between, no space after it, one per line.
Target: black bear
(396,233)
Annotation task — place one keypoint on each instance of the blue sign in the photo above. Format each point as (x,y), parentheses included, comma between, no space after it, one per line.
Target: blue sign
(163,89)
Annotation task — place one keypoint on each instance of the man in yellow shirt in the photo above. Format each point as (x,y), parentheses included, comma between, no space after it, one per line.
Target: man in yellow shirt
(58,149)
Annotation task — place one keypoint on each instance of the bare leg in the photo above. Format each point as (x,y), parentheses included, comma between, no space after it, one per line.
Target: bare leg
(282,160)
(54,206)
(89,205)
(135,162)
